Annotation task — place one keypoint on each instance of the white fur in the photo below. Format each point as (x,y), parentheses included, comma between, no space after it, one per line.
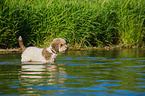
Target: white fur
(35,54)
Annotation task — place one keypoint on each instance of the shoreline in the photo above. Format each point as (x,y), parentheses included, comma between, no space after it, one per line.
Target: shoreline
(10,50)
(75,48)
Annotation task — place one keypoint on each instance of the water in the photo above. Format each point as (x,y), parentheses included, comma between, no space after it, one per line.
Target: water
(76,73)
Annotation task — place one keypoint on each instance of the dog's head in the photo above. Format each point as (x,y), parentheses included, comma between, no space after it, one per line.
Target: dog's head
(59,45)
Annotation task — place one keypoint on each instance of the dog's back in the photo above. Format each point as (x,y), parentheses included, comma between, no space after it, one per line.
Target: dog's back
(33,54)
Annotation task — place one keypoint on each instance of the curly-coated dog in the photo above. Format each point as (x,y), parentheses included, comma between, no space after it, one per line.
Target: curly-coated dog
(58,45)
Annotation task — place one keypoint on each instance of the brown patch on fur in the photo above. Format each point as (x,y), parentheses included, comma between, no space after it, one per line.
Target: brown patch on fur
(55,47)
(46,54)
(21,44)
(56,43)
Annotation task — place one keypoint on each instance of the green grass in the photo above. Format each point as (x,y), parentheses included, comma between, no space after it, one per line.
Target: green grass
(83,23)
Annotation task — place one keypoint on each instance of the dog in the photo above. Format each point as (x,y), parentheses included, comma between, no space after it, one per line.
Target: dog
(45,55)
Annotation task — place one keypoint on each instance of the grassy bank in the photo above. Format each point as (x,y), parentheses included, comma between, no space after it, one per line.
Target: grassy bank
(81,22)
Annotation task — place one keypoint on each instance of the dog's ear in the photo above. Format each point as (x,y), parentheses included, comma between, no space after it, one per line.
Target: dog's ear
(55,45)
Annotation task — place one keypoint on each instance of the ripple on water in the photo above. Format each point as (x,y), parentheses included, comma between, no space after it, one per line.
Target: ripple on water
(73,64)
(136,66)
(127,59)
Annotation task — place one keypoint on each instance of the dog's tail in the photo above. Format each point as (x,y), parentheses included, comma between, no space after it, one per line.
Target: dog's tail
(21,43)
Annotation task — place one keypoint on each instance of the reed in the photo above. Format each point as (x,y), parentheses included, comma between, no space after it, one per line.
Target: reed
(83,23)
(131,23)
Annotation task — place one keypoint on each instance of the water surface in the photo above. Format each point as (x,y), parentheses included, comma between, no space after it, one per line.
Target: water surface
(76,73)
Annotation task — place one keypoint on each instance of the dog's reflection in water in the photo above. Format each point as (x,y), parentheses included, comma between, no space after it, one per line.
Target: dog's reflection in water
(42,74)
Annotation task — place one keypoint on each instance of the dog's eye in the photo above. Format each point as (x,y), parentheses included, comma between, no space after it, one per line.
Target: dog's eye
(61,44)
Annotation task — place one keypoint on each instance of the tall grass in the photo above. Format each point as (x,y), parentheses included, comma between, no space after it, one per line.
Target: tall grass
(131,22)
(81,22)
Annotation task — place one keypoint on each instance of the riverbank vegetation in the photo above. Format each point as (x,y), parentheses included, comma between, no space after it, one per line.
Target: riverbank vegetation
(82,23)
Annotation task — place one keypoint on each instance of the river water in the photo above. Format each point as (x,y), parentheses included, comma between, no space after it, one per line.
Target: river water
(76,73)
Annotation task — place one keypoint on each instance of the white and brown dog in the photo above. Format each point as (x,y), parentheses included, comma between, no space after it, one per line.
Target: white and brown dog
(45,55)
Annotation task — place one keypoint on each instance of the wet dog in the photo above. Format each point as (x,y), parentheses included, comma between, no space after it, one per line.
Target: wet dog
(45,55)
